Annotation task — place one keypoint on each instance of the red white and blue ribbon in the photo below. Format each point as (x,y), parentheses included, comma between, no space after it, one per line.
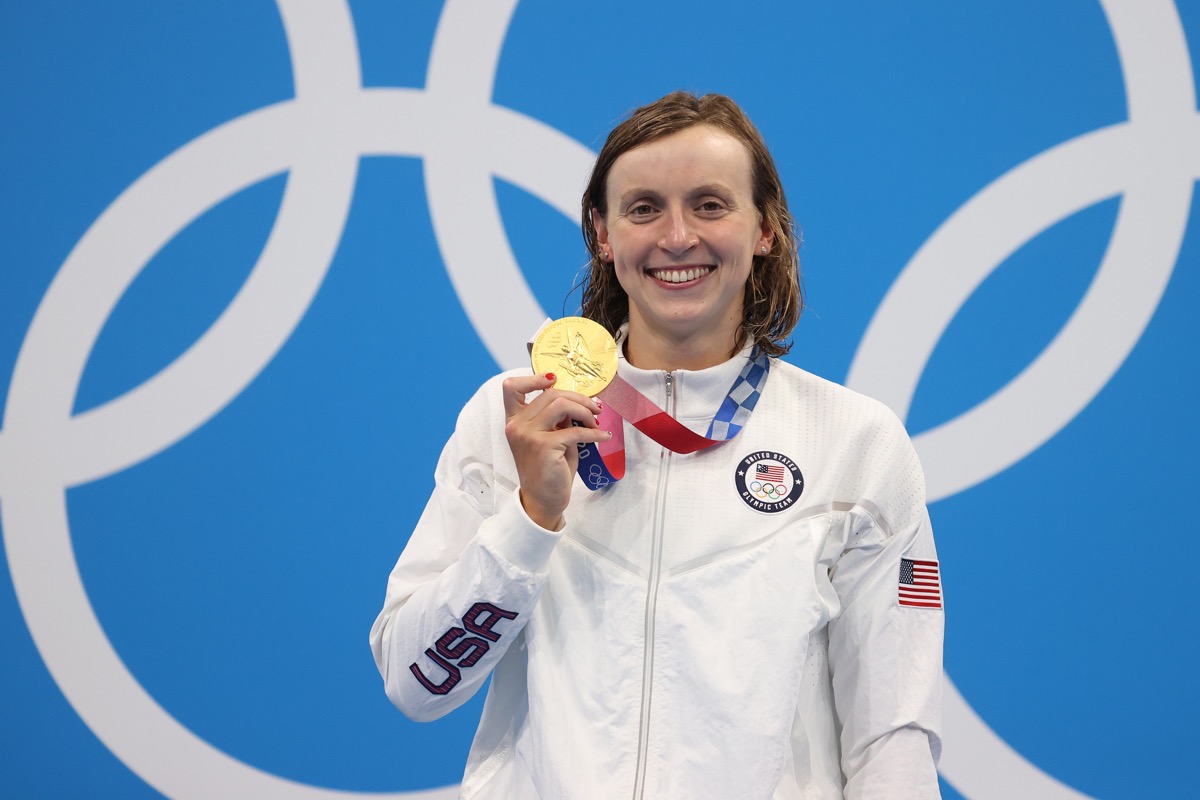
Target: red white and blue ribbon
(603,463)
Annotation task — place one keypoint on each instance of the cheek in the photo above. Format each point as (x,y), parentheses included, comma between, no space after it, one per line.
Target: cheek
(624,273)
(628,253)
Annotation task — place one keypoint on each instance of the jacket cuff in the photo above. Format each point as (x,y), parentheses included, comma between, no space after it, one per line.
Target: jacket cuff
(516,538)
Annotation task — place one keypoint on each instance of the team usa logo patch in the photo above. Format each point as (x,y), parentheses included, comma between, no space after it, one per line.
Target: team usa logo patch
(768,482)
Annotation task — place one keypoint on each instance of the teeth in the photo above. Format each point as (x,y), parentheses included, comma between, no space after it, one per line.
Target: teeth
(681,275)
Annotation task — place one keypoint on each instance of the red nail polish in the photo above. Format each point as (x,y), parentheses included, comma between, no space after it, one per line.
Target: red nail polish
(549,376)
(598,403)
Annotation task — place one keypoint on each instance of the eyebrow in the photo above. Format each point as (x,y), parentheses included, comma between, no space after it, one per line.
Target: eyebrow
(715,187)
(627,197)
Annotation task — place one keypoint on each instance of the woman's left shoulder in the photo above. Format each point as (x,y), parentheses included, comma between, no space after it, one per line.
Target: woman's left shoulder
(821,393)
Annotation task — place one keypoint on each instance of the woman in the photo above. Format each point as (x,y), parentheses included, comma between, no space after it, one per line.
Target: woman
(740,621)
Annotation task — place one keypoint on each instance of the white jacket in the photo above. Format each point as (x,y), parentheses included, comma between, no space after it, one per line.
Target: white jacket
(676,640)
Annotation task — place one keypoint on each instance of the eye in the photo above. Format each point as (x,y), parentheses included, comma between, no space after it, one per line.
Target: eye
(711,208)
(641,211)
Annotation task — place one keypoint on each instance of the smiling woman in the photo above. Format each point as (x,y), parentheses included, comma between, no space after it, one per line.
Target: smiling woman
(710,153)
(761,618)
(682,250)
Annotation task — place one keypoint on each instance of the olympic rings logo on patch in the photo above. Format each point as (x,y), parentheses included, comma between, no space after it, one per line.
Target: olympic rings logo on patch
(768,482)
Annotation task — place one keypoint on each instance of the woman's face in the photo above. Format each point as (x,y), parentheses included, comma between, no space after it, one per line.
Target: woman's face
(682,232)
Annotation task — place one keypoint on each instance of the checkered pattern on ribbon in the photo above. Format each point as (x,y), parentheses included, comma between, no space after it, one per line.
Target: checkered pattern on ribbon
(734,413)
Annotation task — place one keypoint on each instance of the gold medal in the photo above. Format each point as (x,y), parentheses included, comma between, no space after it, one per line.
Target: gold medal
(581,354)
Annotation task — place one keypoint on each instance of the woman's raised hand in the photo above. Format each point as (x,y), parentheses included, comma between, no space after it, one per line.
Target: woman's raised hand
(543,438)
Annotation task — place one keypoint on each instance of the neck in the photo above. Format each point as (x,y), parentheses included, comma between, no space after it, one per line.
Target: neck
(649,349)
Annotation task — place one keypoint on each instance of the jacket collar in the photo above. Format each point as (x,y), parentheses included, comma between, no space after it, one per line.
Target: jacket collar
(698,393)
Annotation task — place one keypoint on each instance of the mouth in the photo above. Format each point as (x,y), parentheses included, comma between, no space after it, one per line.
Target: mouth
(677,275)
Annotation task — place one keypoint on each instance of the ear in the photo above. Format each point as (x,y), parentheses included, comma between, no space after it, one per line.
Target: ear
(766,236)
(601,227)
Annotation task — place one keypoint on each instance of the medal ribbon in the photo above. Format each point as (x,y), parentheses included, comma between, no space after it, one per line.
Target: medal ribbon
(603,463)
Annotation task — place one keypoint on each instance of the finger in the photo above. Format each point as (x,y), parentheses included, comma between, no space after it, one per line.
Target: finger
(579,435)
(558,412)
(548,396)
(515,389)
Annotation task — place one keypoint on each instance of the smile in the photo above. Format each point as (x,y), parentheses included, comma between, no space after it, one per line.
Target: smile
(679,275)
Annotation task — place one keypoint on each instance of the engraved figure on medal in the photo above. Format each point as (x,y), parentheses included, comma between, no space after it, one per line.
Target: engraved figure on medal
(580,352)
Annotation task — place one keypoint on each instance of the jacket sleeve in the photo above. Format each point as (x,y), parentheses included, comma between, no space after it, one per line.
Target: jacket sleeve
(885,645)
(469,576)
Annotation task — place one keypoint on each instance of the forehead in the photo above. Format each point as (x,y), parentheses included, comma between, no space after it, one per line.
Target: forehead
(697,155)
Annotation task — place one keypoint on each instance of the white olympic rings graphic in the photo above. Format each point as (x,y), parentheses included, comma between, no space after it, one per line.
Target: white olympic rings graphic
(465,141)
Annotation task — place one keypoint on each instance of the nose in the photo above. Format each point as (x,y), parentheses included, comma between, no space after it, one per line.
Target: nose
(679,237)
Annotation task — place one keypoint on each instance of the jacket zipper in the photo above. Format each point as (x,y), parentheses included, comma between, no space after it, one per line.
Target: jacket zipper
(656,545)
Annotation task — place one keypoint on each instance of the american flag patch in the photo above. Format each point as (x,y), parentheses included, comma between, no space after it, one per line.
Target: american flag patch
(772,472)
(920,584)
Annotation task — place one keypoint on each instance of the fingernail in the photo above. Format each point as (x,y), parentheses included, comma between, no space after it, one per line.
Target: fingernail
(598,403)
(549,376)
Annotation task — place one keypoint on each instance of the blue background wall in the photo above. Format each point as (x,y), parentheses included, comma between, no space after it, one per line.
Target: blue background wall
(224,264)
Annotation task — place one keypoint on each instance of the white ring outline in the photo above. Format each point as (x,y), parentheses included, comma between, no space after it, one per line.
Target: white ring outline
(43,450)
(1140,159)
(319,136)
(98,430)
